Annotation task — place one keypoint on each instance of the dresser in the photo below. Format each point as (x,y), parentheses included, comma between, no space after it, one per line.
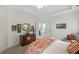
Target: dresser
(27,39)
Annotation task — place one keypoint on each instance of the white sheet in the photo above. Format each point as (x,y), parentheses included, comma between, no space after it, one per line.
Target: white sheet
(57,47)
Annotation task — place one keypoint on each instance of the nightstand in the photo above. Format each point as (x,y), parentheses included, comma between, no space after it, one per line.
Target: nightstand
(27,39)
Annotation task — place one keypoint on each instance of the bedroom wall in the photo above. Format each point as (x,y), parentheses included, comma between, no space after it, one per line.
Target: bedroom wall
(17,17)
(71,19)
(3,28)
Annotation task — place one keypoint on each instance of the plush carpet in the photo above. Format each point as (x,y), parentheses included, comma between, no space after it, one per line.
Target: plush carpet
(15,50)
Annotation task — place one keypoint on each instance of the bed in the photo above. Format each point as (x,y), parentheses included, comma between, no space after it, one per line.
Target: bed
(48,46)
(57,47)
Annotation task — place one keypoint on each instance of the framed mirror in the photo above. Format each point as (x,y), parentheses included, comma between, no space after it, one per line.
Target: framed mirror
(26,27)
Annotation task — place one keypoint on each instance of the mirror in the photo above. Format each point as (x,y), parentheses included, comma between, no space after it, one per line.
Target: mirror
(26,27)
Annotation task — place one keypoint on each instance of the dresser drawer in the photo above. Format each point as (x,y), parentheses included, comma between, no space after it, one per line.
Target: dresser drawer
(27,39)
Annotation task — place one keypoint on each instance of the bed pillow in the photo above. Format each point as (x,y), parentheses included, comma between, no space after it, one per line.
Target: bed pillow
(70,37)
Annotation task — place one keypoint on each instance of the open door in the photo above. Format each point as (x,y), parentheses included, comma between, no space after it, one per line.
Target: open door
(43,30)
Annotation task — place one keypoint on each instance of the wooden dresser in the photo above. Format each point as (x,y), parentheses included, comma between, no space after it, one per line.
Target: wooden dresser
(27,39)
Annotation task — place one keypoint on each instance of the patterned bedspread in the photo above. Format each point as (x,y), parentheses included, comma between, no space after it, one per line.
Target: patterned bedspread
(74,47)
(38,46)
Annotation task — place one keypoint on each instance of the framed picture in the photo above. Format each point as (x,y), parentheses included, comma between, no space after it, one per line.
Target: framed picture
(13,28)
(18,28)
(61,26)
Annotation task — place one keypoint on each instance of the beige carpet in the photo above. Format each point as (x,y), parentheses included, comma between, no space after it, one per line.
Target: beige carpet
(15,50)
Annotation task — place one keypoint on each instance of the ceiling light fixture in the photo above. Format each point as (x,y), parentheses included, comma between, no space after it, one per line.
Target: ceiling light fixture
(40,6)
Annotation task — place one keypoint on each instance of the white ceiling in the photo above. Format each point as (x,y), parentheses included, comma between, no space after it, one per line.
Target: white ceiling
(43,11)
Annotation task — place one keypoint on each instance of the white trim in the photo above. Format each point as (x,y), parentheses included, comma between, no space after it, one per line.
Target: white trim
(63,12)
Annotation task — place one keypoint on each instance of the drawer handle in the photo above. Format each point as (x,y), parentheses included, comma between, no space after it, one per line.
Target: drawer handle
(28,38)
